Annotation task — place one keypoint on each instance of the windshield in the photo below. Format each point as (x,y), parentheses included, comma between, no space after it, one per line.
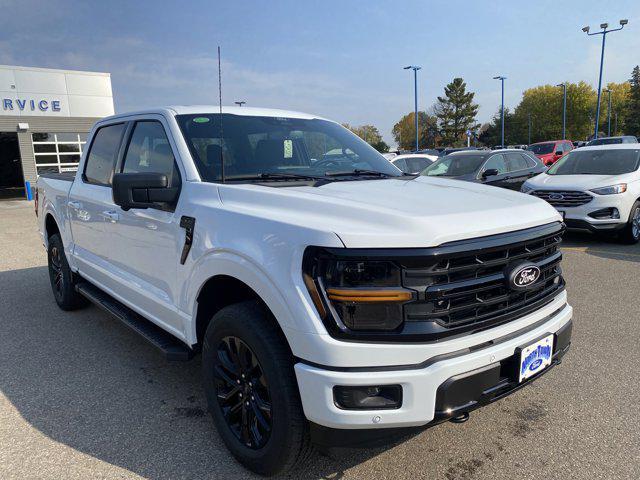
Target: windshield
(596,162)
(541,148)
(605,141)
(272,146)
(455,165)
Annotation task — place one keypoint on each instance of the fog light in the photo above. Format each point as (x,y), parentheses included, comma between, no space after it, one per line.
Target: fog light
(371,397)
(605,213)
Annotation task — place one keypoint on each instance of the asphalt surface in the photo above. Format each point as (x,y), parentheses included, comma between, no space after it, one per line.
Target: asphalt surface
(83,397)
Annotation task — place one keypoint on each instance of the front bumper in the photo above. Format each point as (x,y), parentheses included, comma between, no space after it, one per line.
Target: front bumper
(434,391)
(577,218)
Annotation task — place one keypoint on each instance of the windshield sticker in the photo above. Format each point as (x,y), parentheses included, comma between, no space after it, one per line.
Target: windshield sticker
(201,120)
(288,148)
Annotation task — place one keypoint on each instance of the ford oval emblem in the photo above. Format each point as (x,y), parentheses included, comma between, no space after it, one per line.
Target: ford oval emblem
(523,276)
(556,196)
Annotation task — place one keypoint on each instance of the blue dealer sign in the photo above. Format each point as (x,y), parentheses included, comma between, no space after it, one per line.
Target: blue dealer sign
(30,105)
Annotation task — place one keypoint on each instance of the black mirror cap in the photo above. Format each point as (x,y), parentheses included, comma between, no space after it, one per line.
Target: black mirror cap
(559,153)
(491,172)
(142,190)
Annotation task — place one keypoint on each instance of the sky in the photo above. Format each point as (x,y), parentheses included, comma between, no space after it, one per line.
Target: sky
(339,59)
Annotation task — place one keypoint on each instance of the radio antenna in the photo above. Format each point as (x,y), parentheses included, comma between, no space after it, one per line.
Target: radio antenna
(221,133)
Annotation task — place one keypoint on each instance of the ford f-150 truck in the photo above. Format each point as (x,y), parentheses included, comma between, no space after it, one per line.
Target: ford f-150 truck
(333,299)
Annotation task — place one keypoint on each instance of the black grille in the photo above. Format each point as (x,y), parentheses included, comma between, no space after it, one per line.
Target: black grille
(468,289)
(562,198)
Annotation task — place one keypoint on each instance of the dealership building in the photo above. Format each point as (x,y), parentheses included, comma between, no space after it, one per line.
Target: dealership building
(45,115)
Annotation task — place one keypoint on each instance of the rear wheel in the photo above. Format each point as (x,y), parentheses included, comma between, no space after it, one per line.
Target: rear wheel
(252,391)
(61,277)
(631,232)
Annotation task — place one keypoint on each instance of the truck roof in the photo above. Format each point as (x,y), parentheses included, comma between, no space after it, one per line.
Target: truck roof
(213,109)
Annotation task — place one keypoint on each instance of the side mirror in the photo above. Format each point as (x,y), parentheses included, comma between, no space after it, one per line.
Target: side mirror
(559,153)
(491,172)
(142,190)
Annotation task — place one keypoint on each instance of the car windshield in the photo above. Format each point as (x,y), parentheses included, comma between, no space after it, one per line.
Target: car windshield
(541,148)
(597,162)
(605,141)
(277,147)
(455,165)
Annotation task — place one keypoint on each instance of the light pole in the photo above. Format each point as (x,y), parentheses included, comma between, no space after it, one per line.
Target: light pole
(608,91)
(240,103)
(564,109)
(502,79)
(604,32)
(529,118)
(415,69)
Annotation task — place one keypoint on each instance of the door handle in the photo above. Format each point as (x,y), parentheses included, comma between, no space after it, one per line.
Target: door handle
(73,204)
(110,215)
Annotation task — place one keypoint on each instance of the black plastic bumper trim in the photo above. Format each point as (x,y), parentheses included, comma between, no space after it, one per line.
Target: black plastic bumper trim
(593,227)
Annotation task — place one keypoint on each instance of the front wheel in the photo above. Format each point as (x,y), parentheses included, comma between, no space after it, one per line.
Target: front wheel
(252,391)
(631,232)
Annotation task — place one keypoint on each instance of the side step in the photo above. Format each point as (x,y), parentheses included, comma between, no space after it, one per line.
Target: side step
(172,348)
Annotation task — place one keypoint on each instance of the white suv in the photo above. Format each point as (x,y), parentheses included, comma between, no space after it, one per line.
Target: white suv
(595,188)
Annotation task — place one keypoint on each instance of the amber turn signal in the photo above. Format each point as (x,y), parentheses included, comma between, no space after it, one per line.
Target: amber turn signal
(360,295)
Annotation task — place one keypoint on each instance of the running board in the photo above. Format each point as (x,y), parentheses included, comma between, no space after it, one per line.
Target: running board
(172,348)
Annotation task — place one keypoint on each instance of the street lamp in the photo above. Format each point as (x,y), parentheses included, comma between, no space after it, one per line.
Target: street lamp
(415,69)
(608,91)
(564,109)
(502,79)
(604,32)
(240,103)
(529,119)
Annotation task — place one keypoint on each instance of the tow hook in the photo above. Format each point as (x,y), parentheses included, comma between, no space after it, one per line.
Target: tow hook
(463,417)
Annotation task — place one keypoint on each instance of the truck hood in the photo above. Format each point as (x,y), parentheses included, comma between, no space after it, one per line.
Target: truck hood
(395,213)
(575,182)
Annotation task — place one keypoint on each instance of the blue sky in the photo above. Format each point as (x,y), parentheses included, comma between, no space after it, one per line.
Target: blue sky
(340,59)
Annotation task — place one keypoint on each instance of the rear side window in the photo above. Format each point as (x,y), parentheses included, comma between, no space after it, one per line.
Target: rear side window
(516,162)
(149,151)
(497,162)
(103,154)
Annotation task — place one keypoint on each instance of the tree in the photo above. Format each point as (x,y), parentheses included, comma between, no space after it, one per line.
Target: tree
(620,95)
(404,131)
(369,134)
(632,114)
(491,133)
(456,112)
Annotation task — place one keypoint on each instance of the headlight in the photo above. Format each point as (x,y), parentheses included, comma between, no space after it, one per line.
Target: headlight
(526,188)
(356,293)
(610,190)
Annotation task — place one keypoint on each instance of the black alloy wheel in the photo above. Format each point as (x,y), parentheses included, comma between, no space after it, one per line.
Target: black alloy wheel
(243,392)
(55,271)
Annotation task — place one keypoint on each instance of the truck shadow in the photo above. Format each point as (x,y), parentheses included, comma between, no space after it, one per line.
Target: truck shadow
(601,246)
(89,383)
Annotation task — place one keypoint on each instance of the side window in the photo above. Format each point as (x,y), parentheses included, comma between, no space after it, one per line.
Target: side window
(516,162)
(103,154)
(149,151)
(530,161)
(497,162)
(568,146)
(417,164)
(401,164)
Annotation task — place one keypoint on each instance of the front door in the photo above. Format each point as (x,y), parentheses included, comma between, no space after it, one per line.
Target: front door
(11,180)
(497,162)
(146,243)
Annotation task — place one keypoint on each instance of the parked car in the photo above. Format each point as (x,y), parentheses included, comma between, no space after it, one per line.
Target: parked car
(612,140)
(503,168)
(551,152)
(332,299)
(413,164)
(450,150)
(595,188)
(578,144)
(390,155)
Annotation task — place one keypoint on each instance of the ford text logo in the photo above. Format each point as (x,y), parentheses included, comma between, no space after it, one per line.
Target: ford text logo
(523,276)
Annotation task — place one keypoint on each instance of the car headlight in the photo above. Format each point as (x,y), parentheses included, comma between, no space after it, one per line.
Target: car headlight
(526,188)
(358,293)
(611,189)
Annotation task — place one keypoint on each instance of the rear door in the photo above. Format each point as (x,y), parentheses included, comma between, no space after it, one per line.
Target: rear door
(519,170)
(146,243)
(89,199)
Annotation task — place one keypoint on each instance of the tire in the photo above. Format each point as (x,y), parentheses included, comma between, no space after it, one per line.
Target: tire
(631,232)
(243,339)
(61,277)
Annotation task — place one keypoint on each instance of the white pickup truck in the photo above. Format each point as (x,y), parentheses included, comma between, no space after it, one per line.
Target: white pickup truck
(333,300)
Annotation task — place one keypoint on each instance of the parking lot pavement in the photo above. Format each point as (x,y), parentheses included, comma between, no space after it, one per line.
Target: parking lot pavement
(83,397)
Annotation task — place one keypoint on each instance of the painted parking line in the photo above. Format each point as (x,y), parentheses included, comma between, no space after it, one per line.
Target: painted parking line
(606,252)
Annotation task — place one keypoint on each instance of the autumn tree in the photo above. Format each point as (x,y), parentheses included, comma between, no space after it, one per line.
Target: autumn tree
(404,131)
(369,134)
(632,114)
(456,112)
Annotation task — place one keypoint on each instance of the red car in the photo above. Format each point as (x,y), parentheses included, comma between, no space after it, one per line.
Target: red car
(552,151)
